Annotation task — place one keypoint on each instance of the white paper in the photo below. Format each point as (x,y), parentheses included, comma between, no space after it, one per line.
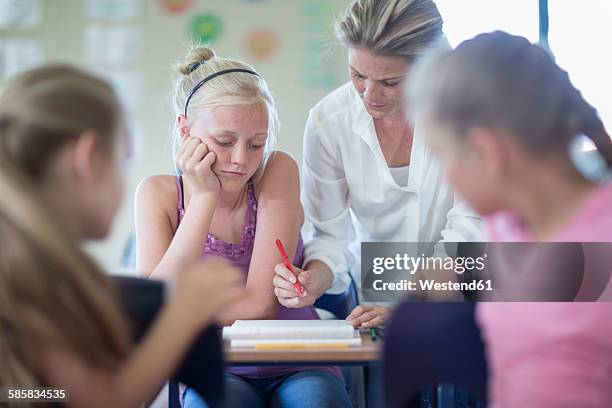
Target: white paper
(289,329)
(19,54)
(128,86)
(292,323)
(113,10)
(112,45)
(20,13)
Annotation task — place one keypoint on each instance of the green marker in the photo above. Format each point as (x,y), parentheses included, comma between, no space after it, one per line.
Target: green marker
(373,333)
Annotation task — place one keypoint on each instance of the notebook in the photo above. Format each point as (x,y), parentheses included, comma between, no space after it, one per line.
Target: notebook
(291,334)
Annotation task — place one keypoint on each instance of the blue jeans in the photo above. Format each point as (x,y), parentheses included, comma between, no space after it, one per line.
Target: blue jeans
(304,389)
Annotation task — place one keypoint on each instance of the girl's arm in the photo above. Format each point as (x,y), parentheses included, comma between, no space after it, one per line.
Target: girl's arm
(279,215)
(142,374)
(138,380)
(160,251)
(326,204)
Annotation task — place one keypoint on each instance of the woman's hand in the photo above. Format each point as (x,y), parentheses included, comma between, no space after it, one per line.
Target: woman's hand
(368,316)
(196,160)
(285,292)
(206,287)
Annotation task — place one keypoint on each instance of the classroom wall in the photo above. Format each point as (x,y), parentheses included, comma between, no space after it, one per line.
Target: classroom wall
(135,42)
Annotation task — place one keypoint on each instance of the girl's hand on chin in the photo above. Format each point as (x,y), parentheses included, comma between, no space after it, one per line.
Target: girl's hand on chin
(195,159)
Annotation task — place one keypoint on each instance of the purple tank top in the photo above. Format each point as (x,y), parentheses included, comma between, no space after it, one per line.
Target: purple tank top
(240,256)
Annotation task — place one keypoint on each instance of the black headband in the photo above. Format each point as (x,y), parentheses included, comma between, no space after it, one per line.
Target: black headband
(212,76)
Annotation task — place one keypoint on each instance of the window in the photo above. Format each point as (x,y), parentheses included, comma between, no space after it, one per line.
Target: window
(579,37)
(465,19)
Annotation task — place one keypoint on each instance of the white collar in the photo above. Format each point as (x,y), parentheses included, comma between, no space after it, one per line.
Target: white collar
(362,120)
(363,125)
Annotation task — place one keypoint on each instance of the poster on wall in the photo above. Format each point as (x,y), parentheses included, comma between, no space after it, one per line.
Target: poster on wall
(262,44)
(126,45)
(129,85)
(17,55)
(176,6)
(315,69)
(20,13)
(113,10)
(205,28)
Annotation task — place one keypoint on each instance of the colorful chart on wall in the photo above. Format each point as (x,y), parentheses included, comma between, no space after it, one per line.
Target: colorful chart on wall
(176,6)
(205,28)
(262,44)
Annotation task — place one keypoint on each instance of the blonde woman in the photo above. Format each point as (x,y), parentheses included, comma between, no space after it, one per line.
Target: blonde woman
(235,197)
(62,151)
(366,173)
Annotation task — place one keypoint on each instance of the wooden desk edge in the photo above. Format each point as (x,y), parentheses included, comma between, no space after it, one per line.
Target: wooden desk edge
(369,351)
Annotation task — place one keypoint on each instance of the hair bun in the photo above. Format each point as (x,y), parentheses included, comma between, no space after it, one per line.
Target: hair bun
(196,57)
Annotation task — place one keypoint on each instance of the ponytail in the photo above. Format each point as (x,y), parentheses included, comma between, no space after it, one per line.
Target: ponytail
(592,127)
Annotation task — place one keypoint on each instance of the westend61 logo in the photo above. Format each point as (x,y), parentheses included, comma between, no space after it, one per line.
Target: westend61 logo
(434,265)
(487,271)
(390,271)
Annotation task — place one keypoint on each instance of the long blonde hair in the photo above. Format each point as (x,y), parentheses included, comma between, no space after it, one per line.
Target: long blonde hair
(234,89)
(51,293)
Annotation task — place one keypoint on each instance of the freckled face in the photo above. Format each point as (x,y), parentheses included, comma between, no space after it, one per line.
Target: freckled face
(238,136)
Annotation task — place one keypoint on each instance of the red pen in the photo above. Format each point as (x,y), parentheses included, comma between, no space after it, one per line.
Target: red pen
(283,254)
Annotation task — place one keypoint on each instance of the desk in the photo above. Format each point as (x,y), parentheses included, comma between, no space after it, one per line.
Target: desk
(368,353)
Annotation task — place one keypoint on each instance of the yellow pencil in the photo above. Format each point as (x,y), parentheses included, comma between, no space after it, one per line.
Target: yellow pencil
(269,346)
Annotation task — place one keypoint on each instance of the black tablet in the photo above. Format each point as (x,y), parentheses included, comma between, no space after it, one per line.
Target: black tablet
(202,368)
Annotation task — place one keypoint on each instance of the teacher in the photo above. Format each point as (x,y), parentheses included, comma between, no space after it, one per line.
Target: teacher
(366,173)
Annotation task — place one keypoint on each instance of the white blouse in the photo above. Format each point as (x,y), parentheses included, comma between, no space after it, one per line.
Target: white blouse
(400,175)
(350,196)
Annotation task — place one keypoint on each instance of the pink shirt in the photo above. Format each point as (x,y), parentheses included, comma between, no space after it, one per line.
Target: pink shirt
(552,354)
